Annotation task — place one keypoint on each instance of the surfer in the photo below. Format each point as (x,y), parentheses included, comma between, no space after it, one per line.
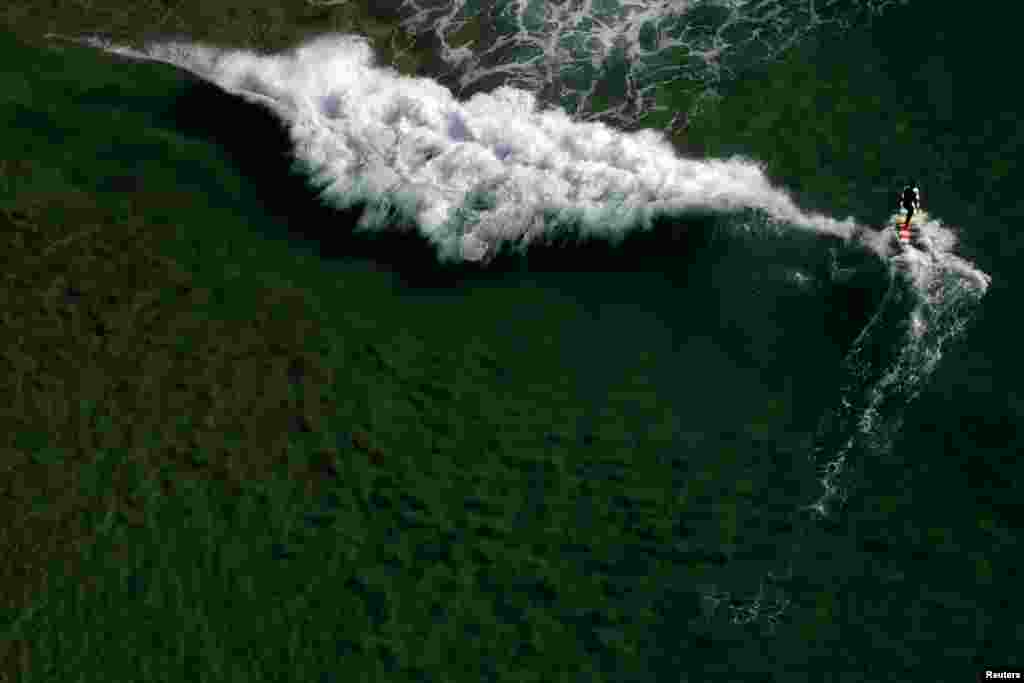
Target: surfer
(910,200)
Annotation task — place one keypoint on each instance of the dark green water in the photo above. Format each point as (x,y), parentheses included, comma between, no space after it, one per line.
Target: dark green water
(688,346)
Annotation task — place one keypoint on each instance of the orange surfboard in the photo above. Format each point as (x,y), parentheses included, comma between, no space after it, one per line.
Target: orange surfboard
(904,231)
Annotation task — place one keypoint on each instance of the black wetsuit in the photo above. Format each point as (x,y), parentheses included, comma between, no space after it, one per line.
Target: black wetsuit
(910,200)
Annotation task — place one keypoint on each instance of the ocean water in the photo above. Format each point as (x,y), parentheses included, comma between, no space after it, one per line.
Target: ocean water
(522,192)
(500,171)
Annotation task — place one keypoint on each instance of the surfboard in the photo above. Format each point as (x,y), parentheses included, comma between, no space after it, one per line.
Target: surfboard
(904,232)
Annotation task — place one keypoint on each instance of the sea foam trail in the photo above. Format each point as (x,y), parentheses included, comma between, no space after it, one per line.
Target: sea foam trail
(492,170)
(931,297)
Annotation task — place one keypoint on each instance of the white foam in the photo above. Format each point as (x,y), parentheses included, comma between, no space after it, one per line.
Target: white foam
(366,132)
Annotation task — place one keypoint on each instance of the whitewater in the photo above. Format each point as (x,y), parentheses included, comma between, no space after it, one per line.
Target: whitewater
(496,170)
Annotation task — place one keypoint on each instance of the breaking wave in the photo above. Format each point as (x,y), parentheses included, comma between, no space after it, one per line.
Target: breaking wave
(478,176)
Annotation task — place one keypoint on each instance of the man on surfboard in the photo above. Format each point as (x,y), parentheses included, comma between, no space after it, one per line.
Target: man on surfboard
(910,199)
